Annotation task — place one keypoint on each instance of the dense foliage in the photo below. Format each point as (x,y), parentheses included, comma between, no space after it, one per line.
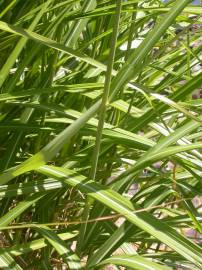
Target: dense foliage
(100,142)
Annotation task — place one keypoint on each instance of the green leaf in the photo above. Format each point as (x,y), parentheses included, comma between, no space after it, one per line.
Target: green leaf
(68,256)
(21,249)
(134,262)
(20,208)
(7,262)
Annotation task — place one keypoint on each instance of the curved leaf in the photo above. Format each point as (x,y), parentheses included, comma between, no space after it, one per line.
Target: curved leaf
(134,262)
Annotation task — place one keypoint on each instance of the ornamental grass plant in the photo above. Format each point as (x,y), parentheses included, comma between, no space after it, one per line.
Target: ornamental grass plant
(100,134)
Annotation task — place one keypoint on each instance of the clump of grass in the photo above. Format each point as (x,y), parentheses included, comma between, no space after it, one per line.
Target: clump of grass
(100,141)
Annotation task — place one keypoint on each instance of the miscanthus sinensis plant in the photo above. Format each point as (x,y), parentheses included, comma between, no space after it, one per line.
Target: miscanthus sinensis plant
(100,142)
